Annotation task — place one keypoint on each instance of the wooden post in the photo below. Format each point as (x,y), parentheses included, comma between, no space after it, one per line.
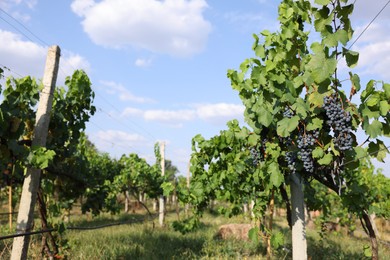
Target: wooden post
(299,245)
(127,201)
(32,178)
(10,206)
(161,199)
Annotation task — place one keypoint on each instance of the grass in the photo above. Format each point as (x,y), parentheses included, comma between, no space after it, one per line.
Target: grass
(148,241)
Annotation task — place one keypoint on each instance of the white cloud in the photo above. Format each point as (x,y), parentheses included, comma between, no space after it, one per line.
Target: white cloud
(143,62)
(81,7)
(238,17)
(369,9)
(28,58)
(219,110)
(374,49)
(174,27)
(123,93)
(169,115)
(70,62)
(22,57)
(118,142)
(116,136)
(130,111)
(9,4)
(212,113)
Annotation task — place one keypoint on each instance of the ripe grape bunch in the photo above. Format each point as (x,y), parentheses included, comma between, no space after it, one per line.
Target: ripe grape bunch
(288,113)
(257,152)
(340,122)
(256,155)
(306,141)
(291,159)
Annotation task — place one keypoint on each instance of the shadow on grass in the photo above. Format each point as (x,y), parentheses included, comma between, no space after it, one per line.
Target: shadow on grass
(110,219)
(163,246)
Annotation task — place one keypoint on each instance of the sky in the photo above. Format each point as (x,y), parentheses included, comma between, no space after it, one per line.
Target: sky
(158,67)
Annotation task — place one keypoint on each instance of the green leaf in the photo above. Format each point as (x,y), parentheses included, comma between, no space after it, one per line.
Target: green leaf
(276,177)
(40,157)
(315,123)
(351,57)
(373,100)
(367,112)
(301,108)
(322,2)
(287,125)
(368,91)
(253,234)
(277,240)
(260,51)
(333,39)
(373,129)
(269,65)
(265,33)
(321,67)
(386,87)
(316,98)
(355,81)
(265,117)
(326,160)
(367,251)
(318,153)
(253,139)
(379,150)
(167,188)
(384,107)
(197,189)
(360,152)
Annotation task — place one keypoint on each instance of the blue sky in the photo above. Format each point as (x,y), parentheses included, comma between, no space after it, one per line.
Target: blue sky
(158,67)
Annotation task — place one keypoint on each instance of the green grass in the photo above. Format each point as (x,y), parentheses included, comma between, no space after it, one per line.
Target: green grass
(145,241)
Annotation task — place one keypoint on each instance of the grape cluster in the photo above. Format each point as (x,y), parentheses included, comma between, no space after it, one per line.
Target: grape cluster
(305,145)
(291,158)
(339,121)
(288,113)
(257,152)
(256,155)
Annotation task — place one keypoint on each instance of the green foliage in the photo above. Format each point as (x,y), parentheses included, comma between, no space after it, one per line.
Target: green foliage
(286,76)
(138,177)
(253,234)
(40,157)
(168,188)
(277,240)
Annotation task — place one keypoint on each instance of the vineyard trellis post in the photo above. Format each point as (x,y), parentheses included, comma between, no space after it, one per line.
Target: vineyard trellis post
(10,205)
(32,177)
(298,218)
(161,199)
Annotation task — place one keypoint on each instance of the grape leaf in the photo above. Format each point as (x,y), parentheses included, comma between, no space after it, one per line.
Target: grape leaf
(277,240)
(326,160)
(373,129)
(321,67)
(276,177)
(379,150)
(287,125)
(351,57)
(253,234)
(322,2)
